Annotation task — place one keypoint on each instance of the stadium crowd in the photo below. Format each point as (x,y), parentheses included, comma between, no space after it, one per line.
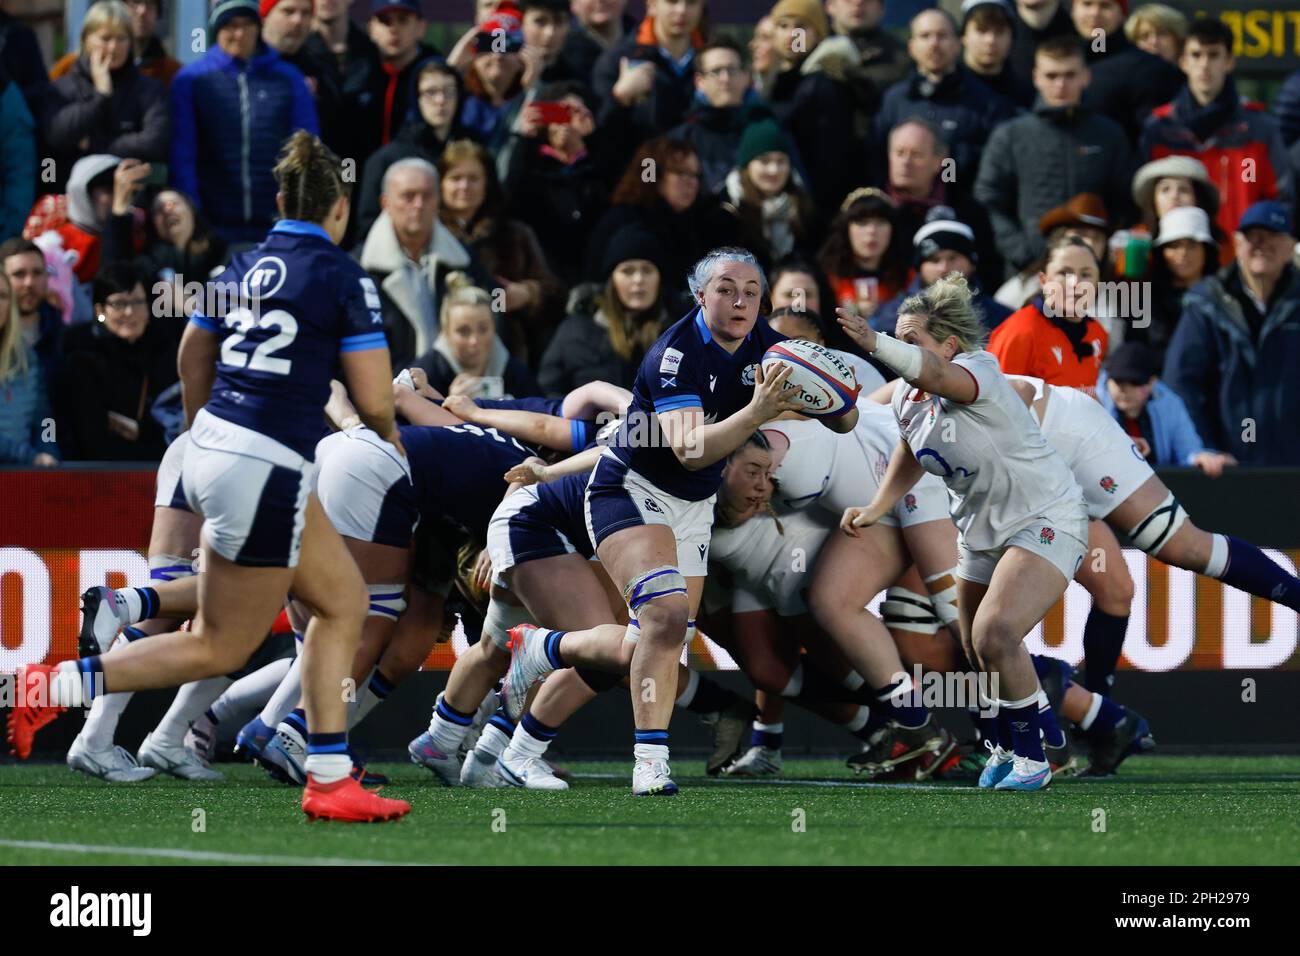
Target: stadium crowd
(574,163)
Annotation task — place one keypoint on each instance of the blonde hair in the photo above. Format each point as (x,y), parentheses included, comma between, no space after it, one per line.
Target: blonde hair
(1158,15)
(948,310)
(310,178)
(106,13)
(13,351)
(461,290)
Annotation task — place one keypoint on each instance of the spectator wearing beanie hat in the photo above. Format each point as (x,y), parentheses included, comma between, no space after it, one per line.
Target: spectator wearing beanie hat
(941,246)
(1152,414)
(775,211)
(814,107)
(606,336)
(232,110)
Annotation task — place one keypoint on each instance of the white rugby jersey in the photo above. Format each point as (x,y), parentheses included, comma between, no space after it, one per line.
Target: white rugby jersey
(1000,471)
(770,568)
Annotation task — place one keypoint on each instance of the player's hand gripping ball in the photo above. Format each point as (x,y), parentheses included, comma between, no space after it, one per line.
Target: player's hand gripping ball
(826,385)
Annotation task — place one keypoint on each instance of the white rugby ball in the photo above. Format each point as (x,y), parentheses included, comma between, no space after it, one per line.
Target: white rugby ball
(826,384)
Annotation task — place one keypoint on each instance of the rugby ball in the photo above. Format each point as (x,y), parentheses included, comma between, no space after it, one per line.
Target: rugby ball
(825,383)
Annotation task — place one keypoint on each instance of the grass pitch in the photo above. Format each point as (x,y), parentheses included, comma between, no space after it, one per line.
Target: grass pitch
(1160,810)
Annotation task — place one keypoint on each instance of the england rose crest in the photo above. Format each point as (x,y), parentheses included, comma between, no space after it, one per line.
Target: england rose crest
(909,502)
(1108,484)
(1046,536)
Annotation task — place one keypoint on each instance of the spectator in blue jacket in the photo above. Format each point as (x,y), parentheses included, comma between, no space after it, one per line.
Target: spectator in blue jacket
(1286,107)
(231,112)
(945,93)
(17,158)
(1234,354)
(24,402)
(1152,414)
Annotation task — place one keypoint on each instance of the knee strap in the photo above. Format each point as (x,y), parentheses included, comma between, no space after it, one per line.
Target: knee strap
(904,610)
(943,595)
(1155,530)
(498,621)
(386,600)
(170,567)
(654,584)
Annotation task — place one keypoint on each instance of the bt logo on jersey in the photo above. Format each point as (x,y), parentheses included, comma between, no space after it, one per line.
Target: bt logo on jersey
(265,278)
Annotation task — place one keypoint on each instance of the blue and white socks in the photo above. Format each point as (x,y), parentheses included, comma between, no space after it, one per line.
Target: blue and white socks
(328,760)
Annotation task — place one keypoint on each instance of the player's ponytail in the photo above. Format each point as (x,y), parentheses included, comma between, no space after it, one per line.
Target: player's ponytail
(948,310)
(310,178)
(461,290)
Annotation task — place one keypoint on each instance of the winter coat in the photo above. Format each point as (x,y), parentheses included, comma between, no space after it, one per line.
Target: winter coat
(17,159)
(1128,83)
(960,106)
(580,353)
(20,56)
(103,373)
(230,119)
(1223,135)
(1041,160)
(815,110)
(133,121)
(581,50)
(24,408)
(1025,40)
(159,259)
(1241,390)
(382,256)
(1174,440)
(560,202)
(320,69)
(670,98)
(368,94)
(78,227)
(440,365)
(715,134)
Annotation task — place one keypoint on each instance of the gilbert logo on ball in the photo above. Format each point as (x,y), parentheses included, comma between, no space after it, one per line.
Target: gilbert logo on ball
(826,385)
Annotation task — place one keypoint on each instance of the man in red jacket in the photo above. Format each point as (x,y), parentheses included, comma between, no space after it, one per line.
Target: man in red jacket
(1237,141)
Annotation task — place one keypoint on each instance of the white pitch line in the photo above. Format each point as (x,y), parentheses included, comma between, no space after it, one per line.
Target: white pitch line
(793,782)
(206,856)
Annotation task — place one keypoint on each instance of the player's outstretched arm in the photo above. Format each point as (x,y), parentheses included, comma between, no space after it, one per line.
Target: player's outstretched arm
(533,428)
(920,367)
(196,364)
(903,472)
(368,374)
(587,402)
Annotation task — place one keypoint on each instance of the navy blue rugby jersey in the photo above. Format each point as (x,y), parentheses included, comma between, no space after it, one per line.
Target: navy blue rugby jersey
(457,471)
(294,303)
(686,368)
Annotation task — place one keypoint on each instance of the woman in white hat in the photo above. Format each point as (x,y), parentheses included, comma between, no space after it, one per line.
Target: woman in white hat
(1185,253)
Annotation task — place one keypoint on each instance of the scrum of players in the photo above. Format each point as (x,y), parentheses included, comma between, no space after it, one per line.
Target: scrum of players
(586,540)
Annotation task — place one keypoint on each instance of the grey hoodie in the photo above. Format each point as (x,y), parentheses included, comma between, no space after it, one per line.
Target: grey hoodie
(81,211)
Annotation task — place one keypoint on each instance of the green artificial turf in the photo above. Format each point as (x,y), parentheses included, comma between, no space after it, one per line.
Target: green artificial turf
(1160,810)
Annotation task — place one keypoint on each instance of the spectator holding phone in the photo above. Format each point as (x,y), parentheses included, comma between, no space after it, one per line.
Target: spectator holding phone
(496,77)
(468,358)
(24,401)
(558,179)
